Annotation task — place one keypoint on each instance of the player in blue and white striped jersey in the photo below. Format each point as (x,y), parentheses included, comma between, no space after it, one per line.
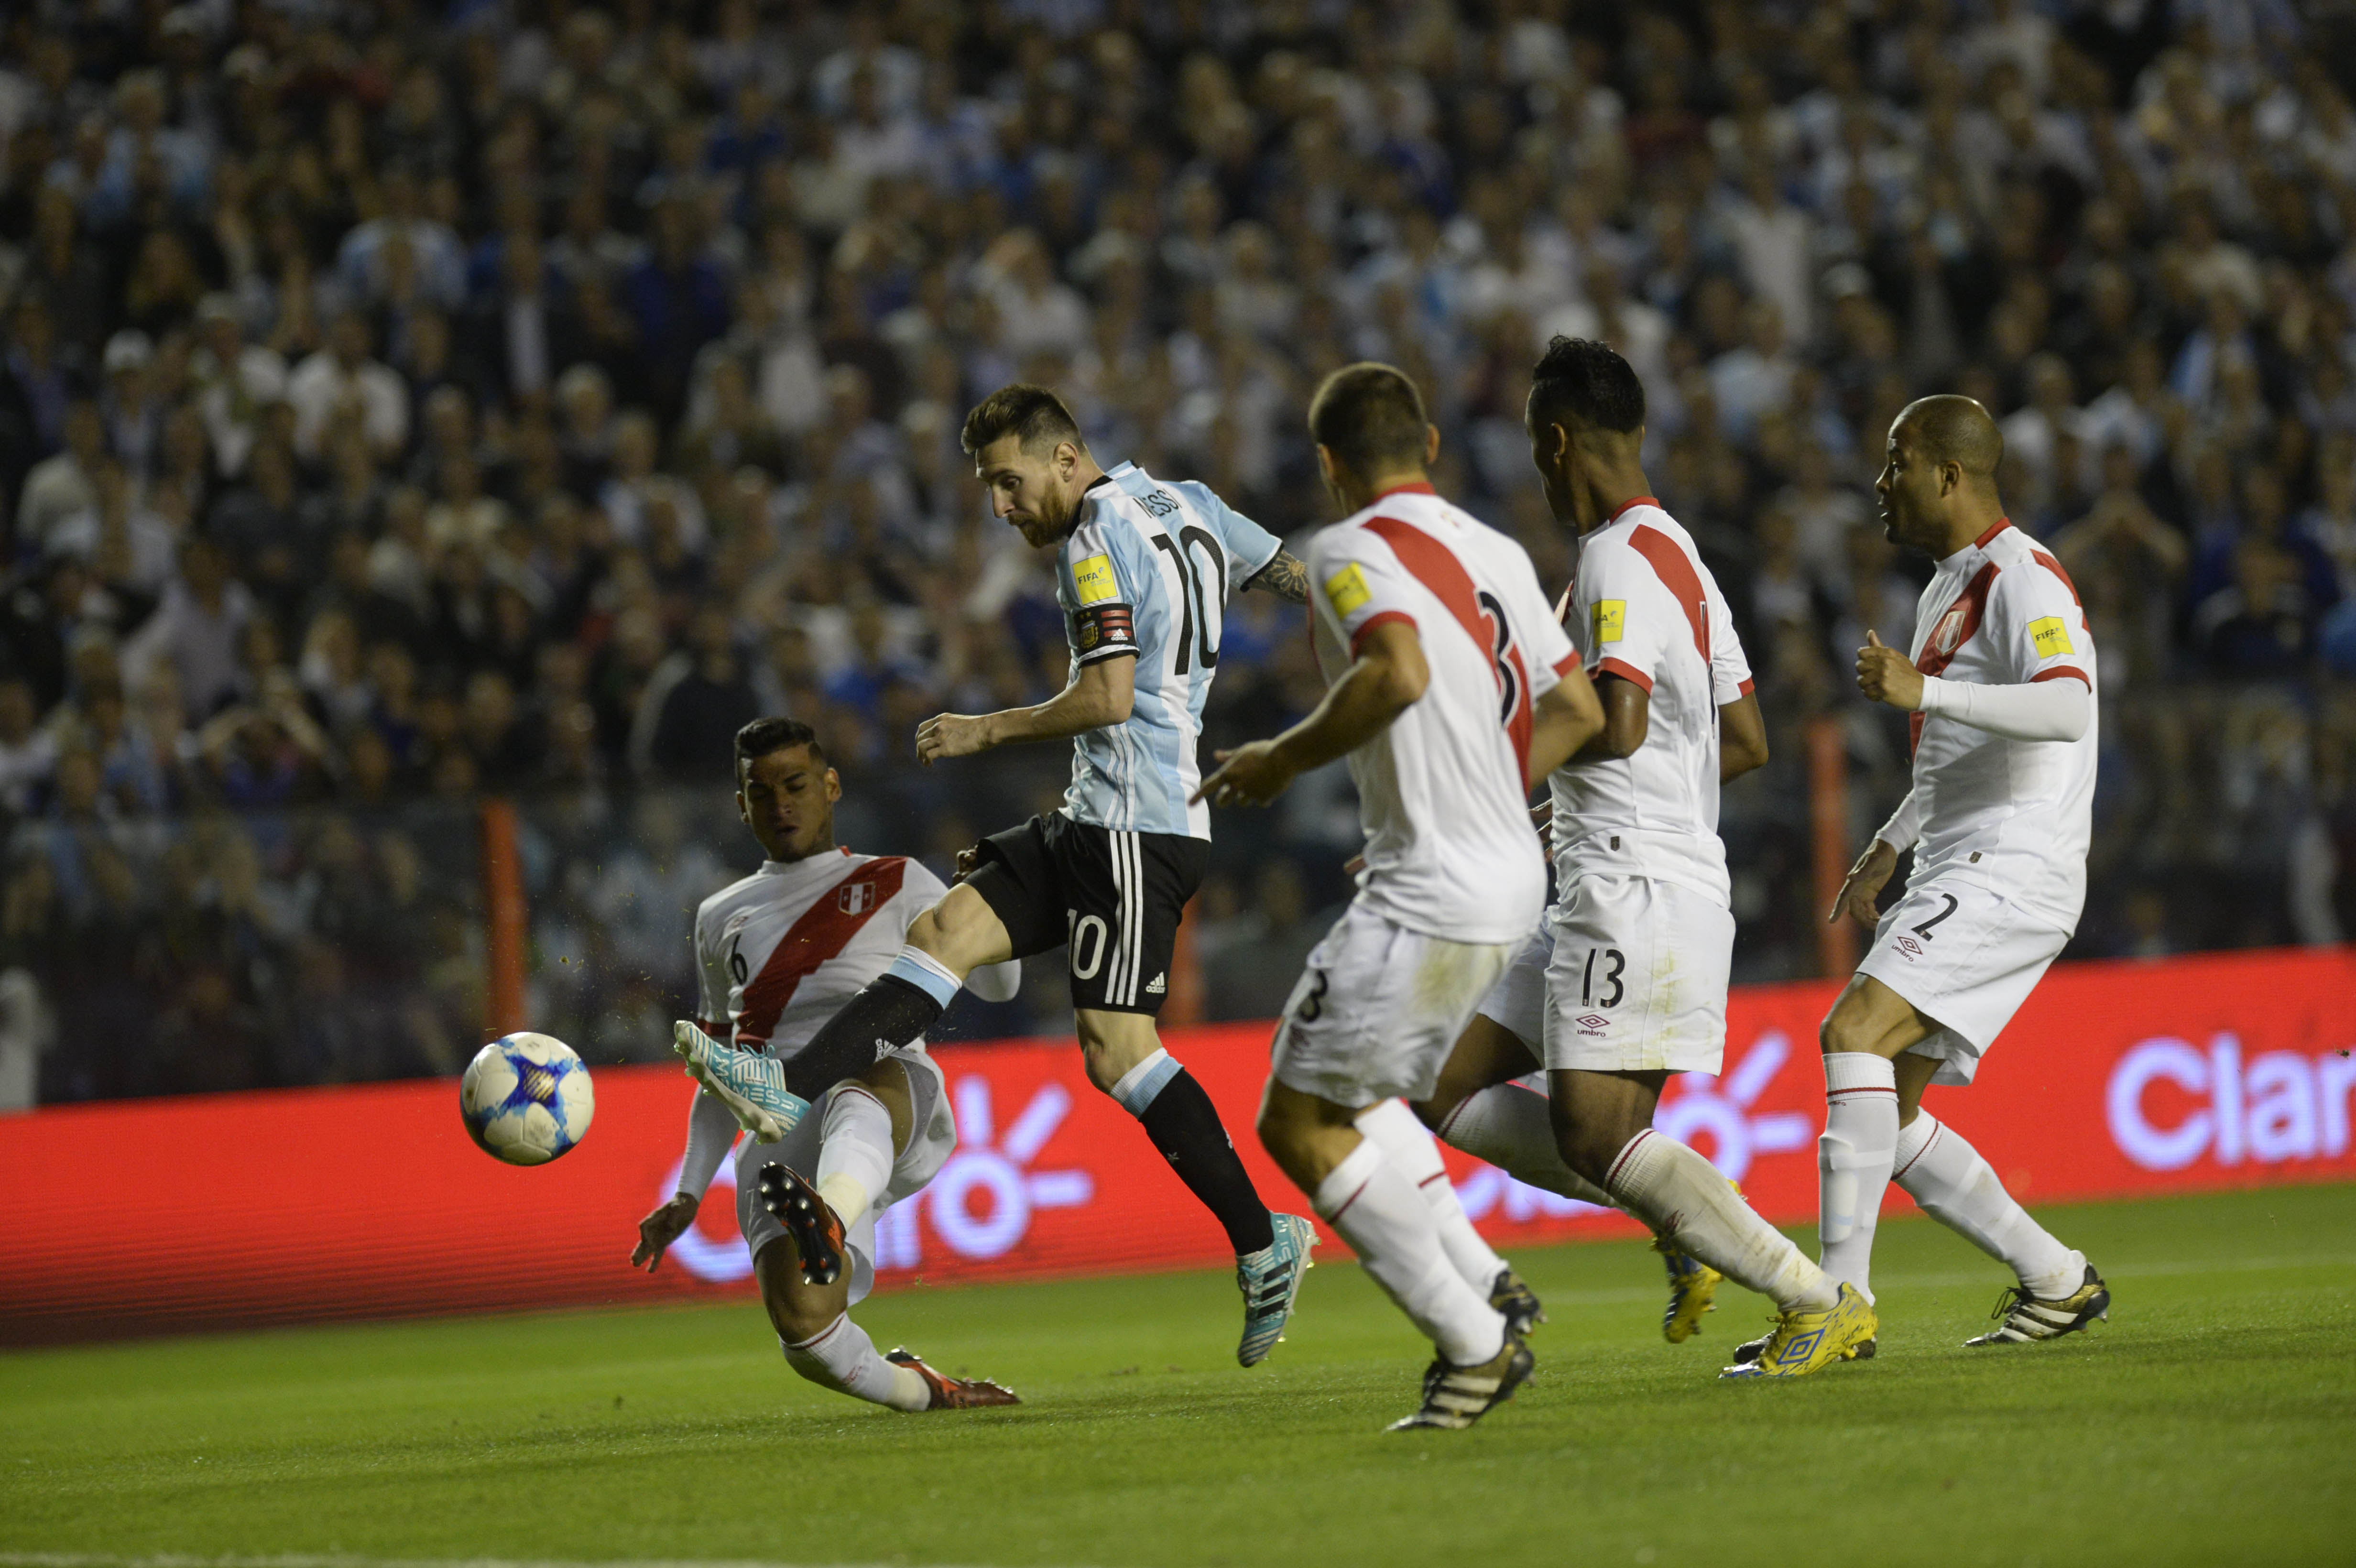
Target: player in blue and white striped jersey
(1143,573)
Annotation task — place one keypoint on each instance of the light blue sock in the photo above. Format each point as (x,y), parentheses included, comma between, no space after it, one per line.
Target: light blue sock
(927,973)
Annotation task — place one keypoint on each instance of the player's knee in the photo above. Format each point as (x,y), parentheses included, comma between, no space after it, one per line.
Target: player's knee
(1101,1068)
(962,931)
(1112,1045)
(1588,1144)
(797,1314)
(1280,1130)
(1589,1157)
(1844,1031)
(928,934)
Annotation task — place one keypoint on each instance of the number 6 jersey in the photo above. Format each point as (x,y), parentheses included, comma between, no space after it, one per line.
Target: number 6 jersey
(780,951)
(1442,792)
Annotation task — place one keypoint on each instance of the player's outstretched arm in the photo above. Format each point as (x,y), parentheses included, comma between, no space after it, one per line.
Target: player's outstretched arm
(1567,719)
(1741,736)
(1386,678)
(1102,695)
(1285,577)
(658,1230)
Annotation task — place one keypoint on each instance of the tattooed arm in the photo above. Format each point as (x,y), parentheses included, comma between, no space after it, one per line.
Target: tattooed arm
(1285,577)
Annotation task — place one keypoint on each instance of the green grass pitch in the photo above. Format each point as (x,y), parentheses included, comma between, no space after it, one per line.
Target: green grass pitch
(2212,1420)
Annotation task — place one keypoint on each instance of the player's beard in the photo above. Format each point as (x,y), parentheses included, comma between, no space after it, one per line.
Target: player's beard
(1051,520)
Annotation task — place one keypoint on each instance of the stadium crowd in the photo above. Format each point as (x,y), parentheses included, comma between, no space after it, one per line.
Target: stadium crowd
(408,402)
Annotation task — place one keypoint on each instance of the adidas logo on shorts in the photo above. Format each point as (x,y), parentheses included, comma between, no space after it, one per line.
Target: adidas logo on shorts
(1158,985)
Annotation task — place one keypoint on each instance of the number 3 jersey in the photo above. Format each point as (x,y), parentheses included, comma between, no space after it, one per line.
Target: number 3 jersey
(1643,607)
(1145,574)
(1443,792)
(780,951)
(2015,816)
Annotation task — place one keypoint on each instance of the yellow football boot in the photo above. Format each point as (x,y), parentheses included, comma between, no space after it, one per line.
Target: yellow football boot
(1805,1341)
(1692,1290)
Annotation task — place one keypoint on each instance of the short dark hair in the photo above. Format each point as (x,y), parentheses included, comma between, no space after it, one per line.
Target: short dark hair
(1371,418)
(1033,413)
(1951,428)
(763,736)
(1587,383)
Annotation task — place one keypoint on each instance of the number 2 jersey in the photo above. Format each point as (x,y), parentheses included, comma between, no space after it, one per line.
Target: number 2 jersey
(2014,815)
(1443,792)
(1146,573)
(781,951)
(1643,607)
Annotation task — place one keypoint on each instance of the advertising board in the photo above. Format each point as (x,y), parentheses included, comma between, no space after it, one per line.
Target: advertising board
(166,1216)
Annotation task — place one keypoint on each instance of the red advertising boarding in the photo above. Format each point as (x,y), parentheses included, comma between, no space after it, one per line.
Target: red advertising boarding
(174,1215)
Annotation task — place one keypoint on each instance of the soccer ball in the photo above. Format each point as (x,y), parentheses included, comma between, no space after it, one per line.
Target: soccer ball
(525,1098)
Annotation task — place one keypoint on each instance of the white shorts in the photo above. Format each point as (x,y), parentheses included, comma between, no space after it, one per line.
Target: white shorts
(1626,975)
(1378,1010)
(934,1139)
(1965,955)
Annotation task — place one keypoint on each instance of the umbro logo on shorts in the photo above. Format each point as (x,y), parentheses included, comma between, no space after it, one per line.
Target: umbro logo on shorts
(1909,946)
(1592,1024)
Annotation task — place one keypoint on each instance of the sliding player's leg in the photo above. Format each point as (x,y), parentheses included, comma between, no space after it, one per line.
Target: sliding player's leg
(813,1262)
(864,1128)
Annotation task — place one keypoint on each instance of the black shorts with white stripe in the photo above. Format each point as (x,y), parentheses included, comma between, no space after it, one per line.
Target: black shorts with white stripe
(1113,898)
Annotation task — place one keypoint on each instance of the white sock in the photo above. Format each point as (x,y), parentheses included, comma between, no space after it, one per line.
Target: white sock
(1407,1146)
(1683,1197)
(841,1357)
(1376,1208)
(854,1152)
(1853,1160)
(1954,1185)
(1511,1127)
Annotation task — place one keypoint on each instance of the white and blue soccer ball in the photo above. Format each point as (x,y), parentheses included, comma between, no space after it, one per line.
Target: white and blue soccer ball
(527,1098)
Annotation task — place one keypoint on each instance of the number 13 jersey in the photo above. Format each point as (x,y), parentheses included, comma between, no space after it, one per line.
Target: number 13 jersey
(1442,793)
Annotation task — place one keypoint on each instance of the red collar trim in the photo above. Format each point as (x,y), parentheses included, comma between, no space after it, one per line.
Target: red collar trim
(2001,524)
(1413,486)
(1629,506)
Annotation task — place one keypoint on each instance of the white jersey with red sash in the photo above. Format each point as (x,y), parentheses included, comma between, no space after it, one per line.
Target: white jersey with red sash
(782,951)
(1645,608)
(2016,815)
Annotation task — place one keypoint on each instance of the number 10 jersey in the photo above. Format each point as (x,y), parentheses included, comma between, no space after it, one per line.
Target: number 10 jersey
(1146,573)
